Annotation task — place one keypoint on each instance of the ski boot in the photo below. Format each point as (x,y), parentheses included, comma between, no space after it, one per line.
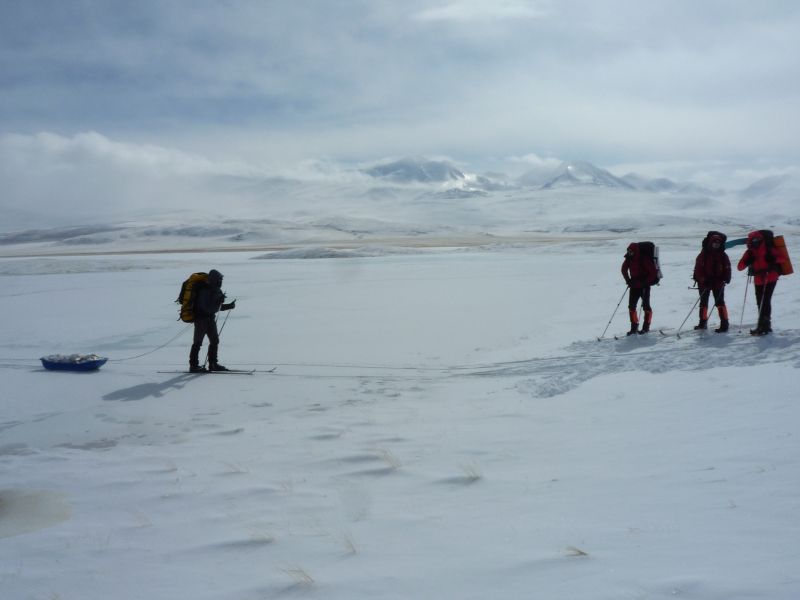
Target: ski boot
(634,322)
(764,328)
(213,361)
(703,324)
(723,319)
(194,360)
(648,317)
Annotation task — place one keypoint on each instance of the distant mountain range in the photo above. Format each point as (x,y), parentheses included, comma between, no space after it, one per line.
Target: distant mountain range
(407,197)
(566,175)
(411,197)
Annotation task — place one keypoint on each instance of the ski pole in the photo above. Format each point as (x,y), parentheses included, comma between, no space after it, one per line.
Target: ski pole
(678,334)
(744,302)
(711,312)
(219,333)
(225,320)
(627,287)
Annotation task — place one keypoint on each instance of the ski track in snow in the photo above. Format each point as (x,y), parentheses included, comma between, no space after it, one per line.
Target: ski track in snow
(654,353)
(542,377)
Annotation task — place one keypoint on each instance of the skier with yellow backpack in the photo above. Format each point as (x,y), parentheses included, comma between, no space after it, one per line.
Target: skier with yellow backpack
(201,297)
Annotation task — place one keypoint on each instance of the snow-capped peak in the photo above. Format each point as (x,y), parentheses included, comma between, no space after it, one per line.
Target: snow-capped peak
(584,173)
(416,170)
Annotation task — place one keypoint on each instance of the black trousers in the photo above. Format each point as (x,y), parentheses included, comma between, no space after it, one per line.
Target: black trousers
(639,293)
(764,301)
(204,326)
(719,296)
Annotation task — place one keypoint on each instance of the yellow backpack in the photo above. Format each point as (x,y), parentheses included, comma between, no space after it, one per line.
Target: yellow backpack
(188,294)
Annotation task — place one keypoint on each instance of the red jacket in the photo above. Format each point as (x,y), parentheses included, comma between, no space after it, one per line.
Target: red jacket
(763,260)
(712,269)
(637,271)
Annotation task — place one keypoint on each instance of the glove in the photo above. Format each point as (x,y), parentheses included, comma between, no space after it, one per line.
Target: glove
(229,306)
(628,281)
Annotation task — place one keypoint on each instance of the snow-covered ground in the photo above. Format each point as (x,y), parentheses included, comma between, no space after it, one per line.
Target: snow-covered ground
(442,423)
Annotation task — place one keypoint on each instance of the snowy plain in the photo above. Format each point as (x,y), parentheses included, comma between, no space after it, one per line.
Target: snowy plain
(442,421)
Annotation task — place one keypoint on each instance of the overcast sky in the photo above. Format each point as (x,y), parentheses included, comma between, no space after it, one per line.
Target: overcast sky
(247,82)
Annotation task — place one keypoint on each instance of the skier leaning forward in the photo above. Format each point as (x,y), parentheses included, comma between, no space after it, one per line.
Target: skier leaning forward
(712,272)
(639,273)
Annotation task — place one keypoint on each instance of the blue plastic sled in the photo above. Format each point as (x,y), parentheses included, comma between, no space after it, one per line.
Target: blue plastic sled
(73,362)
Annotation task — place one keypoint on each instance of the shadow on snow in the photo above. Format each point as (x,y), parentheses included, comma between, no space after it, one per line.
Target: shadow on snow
(148,390)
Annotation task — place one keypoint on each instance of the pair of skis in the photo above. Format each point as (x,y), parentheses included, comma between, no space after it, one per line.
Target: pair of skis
(225,372)
(664,332)
(680,334)
(625,336)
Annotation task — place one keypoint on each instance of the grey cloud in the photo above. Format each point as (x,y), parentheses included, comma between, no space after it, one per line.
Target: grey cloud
(360,79)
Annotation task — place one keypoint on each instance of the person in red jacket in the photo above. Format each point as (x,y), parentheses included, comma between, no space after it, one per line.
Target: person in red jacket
(639,273)
(712,271)
(764,263)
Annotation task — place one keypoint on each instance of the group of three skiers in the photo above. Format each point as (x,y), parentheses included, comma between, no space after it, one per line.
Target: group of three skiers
(712,272)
